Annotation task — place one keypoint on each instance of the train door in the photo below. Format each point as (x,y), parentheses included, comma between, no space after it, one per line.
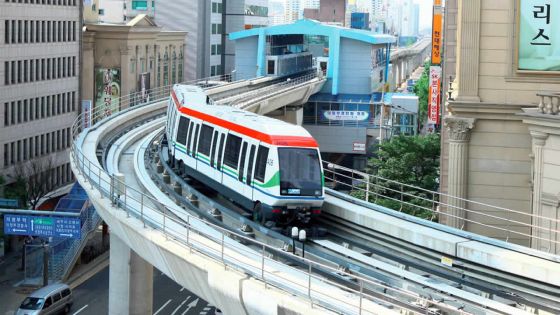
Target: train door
(230,166)
(215,173)
(189,160)
(194,151)
(220,157)
(249,172)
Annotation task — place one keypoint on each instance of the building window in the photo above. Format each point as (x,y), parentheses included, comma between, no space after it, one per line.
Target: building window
(101,12)
(216,49)
(216,7)
(216,29)
(139,5)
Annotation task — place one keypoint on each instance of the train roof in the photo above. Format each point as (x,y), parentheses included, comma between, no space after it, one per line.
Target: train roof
(193,101)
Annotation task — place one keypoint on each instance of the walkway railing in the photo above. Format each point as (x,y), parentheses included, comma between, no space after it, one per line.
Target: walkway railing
(507,226)
(192,233)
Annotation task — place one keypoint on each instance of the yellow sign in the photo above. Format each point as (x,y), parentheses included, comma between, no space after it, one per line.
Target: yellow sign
(436,39)
(446,261)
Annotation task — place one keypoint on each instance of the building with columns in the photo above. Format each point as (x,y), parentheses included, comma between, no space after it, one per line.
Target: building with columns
(133,56)
(501,133)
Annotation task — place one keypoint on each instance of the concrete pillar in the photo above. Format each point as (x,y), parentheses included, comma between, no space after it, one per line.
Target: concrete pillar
(130,281)
(459,130)
(468,42)
(539,140)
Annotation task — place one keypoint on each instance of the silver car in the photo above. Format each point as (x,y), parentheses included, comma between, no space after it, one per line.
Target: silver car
(52,299)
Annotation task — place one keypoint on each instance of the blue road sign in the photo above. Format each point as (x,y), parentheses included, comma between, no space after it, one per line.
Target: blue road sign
(42,226)
(9,203)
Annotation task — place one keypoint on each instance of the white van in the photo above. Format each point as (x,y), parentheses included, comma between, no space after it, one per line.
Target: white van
(52,299)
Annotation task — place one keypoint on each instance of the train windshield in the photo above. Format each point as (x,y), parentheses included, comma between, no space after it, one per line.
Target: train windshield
(300,172)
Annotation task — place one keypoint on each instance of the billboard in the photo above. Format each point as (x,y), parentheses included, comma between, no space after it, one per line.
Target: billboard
(107,89)
(144,86)
(437,33)
(86,110)
(539,39)
(434,95)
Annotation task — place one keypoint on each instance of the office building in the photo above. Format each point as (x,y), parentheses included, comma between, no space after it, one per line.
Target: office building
(123,11)
(39,87)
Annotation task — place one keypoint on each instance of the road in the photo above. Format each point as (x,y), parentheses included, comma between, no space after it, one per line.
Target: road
(92,296)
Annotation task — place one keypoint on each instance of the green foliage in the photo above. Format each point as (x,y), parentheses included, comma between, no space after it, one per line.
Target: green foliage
(421,90)
(411,161)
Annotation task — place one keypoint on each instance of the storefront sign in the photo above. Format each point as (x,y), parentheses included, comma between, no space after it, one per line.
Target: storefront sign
(539,39)
(434,95)
(108,89)
(358,147)
(354,115)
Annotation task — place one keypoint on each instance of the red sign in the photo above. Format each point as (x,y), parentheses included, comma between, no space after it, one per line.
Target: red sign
(434,95)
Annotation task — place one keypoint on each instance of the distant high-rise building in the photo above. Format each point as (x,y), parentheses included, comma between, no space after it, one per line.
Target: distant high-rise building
(39,89)
(376,10)
(123,11)
(330,11)
(208,51)
(311,4)
(292,11)
(276,13)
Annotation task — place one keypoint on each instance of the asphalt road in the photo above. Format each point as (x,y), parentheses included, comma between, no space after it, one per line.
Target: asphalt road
(92,296)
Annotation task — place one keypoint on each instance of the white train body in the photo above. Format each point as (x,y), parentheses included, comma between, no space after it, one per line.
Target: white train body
(266,165)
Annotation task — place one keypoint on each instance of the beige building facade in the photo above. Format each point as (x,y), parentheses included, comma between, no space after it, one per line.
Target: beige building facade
(39,87)
(137,56)
(498,148)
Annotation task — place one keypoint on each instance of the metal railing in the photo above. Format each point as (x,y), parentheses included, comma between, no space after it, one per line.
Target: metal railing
(429,205)
(214,242)
(549,103)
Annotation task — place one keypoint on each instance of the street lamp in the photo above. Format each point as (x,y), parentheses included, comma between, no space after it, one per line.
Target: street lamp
(295,233)
(302,237)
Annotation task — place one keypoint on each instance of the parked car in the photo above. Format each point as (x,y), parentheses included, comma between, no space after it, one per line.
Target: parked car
(52,299)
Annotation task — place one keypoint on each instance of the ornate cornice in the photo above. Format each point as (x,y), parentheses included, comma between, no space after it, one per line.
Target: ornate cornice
(459,128)
(539,138)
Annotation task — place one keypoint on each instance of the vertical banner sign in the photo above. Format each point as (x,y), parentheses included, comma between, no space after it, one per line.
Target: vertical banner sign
(108,89)
(433,96)
(86,111)
(539,38)
(437,33)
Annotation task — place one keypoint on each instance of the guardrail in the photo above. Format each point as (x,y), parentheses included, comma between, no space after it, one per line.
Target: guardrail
(428,204)
(187,234)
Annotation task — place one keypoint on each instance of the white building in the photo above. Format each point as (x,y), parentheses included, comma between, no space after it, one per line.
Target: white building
(311,4)
(276,13)
(39,88)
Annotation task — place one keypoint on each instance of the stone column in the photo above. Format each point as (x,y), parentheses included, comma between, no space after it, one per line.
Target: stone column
(539,139)
(468,33)
(130,281)
(459,130)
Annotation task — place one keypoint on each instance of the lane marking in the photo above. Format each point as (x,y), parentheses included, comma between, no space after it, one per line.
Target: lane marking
(163,306)
(182,289)
(181,305)
(81,309)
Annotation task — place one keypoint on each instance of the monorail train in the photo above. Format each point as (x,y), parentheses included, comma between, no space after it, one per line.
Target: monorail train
(268,166)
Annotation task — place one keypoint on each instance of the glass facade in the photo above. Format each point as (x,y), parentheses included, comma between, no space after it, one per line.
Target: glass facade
(256,10)
(139,5)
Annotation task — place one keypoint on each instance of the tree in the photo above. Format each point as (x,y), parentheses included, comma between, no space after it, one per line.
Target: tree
(410,160)
(421,89)
(33,180)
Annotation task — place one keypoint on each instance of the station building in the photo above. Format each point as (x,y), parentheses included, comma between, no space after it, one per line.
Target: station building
(347,116)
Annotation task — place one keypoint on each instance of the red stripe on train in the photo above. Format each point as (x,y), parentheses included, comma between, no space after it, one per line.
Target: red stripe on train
(279,140)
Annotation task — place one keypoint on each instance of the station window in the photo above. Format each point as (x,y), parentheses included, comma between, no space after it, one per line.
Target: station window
(139,5)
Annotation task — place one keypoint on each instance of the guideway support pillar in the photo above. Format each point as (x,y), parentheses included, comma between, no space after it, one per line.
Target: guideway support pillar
(130,281)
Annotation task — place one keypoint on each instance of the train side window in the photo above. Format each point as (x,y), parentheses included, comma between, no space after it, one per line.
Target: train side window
(182,130)
(195,141)
(213,152)
(250,165)
(231,156)
(190,135)
(222,144)
(205,140)
(260,164)
(242,162)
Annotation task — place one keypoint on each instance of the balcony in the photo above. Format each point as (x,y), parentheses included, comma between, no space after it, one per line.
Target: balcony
(549,102)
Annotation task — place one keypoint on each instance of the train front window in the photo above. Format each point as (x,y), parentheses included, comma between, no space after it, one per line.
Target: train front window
(300,172)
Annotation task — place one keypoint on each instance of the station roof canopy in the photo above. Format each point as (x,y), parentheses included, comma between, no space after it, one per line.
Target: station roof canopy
(313,27)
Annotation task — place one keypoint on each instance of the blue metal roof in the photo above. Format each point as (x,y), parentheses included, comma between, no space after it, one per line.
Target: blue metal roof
(312,27)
